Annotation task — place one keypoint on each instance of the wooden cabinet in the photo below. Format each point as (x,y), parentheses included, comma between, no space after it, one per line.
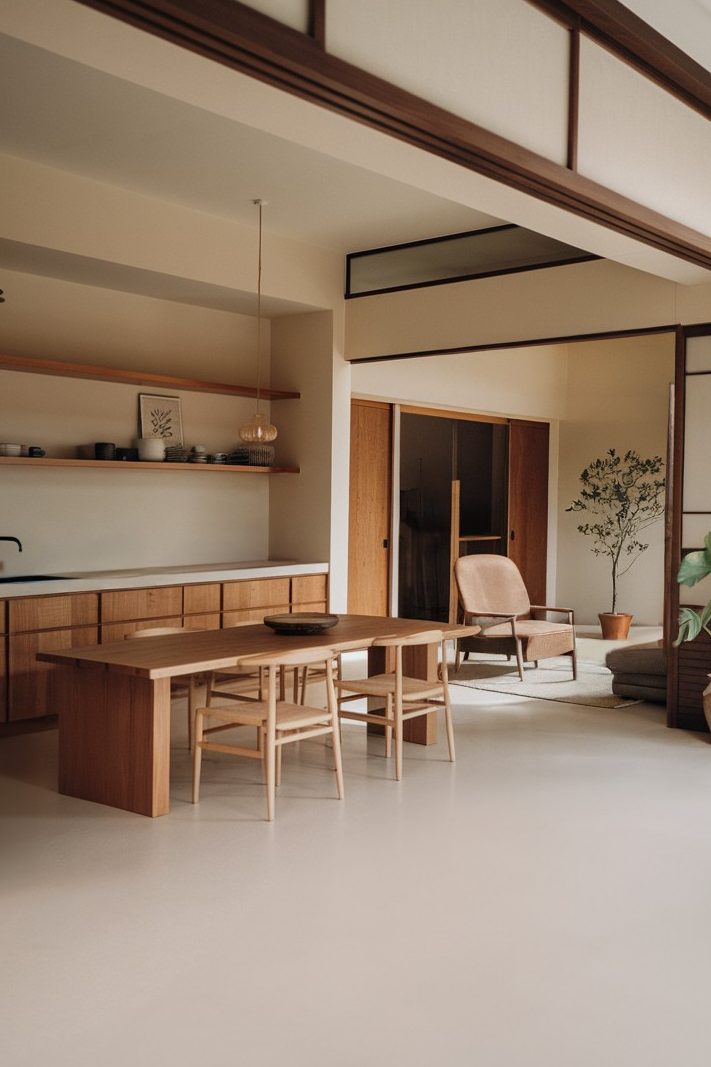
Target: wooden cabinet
(257,593)
(309,592)
(34,687)
(53,612)
(128,604)
(28,625)
(3,664)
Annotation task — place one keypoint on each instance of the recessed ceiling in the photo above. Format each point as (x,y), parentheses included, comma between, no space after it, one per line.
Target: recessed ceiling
(66,115)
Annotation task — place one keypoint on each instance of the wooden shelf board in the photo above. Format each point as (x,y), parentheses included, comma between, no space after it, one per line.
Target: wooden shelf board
(224,468)
(480,537)
(88,371)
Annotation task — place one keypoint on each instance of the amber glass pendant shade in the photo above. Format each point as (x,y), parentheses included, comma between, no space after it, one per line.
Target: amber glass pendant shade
(258,430)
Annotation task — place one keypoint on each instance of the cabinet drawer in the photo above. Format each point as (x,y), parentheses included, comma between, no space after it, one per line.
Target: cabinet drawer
(260,593)
(53,612)
(209,621)
(142,604)
(117,631)
(242,618)
(198,599)
(316,605)
(308,588)
(3,682)
(35,688)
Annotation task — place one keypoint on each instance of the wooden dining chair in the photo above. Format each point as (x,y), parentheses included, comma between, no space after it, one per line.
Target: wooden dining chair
(405,697)
(278,722)
(228,683)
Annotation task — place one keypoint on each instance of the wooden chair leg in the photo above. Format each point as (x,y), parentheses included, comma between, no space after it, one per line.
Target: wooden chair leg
(197,756)
(398,741)
(191,711)
(519,660)
(388,726)
(575,664)
(270,776)
(278,765)
(457,655)
(304,676)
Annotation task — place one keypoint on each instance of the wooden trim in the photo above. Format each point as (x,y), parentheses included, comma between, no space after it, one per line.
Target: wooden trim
(573,97)
(31,365)
(370,403)
(110,464)
(495,346)
(586,257)
(673,552)
(317,21)
(638,44)
(448,413)
(243,39)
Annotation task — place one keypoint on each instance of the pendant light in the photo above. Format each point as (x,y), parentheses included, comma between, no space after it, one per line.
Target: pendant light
(258,430)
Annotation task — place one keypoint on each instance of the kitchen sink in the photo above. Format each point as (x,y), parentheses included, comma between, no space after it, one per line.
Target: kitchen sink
(34,578)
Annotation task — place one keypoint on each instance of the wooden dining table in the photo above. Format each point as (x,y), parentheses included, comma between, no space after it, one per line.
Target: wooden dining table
(114,699)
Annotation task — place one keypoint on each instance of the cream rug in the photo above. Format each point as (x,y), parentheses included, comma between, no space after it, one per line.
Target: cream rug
(554,681)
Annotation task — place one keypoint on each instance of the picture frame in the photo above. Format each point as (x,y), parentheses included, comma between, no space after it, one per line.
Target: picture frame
(160,416)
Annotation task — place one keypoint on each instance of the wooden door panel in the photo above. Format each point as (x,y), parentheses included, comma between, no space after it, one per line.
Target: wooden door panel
(35,688)
(369,515)
(528,504)
(257,593)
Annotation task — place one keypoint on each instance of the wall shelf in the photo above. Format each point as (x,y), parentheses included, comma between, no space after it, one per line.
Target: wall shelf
(223,468)
(90,372)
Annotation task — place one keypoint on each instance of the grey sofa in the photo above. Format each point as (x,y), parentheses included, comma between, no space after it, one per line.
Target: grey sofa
(639,671)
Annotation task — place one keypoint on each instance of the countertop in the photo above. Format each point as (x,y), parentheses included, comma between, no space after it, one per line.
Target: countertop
(90,581)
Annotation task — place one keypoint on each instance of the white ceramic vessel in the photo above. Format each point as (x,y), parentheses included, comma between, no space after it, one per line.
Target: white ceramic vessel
(151,449)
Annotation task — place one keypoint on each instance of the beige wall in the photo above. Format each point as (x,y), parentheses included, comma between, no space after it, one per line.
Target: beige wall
(617,398)
(93,519)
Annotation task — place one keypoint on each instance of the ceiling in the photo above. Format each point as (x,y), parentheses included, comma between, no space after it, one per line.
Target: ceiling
(63,114)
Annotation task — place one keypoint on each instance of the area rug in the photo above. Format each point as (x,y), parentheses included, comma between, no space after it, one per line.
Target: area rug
(593,687)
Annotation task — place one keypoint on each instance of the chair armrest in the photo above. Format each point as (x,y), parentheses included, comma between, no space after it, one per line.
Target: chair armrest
(561,611)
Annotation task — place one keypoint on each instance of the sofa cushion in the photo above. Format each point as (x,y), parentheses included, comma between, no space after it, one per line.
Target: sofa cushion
(649,659)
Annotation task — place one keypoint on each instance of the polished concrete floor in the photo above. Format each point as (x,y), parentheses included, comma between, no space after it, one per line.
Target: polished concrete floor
(542,903)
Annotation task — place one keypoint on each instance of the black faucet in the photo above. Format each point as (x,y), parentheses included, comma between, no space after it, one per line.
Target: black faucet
(17,541)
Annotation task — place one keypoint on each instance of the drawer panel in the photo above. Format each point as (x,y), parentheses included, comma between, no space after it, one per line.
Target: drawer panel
(318,605)
(36,688)
(116,631)
(260,593)
(308,588)
(3,682)
(202,622)
(53,612)
(3,617)
(198,599)
(127,604)
(242,618)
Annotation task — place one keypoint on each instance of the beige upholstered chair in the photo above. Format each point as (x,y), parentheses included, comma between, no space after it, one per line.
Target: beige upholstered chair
(278,723)
(405,698)
(491,588)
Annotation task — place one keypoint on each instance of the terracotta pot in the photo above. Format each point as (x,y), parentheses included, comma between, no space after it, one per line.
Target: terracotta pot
(615,627)
(707,704)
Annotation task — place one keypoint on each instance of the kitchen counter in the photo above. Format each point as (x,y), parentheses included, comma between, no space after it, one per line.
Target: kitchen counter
(91,581)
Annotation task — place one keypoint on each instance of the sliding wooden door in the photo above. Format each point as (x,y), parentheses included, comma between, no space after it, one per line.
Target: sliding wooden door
(370,508)
(528,504)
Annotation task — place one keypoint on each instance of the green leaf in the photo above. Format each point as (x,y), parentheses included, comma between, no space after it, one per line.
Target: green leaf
(689,626)
(694,567)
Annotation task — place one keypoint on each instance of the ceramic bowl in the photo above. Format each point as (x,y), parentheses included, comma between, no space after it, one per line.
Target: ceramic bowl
(151,449)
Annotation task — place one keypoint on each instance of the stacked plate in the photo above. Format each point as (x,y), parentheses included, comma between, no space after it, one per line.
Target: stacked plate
(239,457)
(176,454)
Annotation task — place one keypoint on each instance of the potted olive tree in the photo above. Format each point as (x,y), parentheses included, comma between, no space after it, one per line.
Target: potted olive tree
(622,495)
(694,567)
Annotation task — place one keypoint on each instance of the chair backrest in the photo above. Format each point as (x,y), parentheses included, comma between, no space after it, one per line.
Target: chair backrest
(159,631)
(303,657)
(490,583)
(425,637)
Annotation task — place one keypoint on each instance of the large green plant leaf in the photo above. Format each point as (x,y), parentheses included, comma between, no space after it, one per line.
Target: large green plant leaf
(695,566)
(689,625)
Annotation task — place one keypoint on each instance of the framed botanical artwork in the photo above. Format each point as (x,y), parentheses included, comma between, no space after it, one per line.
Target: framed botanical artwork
(159,416)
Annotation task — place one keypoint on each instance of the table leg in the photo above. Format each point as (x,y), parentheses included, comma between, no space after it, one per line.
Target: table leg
(418,661)
(114,740)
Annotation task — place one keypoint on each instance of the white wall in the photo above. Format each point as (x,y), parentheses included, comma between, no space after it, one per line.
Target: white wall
(618,396)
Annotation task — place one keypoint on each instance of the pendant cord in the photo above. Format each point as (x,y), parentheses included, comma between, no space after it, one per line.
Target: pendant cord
(259,310)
